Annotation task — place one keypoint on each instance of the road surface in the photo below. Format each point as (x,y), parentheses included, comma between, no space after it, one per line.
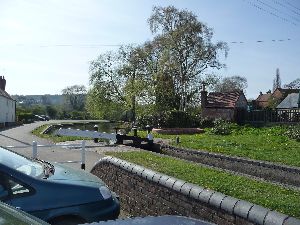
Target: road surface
(21,136)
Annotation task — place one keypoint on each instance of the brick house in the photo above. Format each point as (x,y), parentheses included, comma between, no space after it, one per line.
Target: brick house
(7,106)
(282,93)
(229,106)
(271,100)
(262,100)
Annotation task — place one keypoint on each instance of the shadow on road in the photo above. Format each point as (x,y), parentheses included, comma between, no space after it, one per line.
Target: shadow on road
(10,127)
(25,143)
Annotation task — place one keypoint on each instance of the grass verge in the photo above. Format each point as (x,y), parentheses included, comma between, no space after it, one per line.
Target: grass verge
(267,144)
(262,193)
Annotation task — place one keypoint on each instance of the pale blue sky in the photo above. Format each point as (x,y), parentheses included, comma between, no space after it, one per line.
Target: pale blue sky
(47,45)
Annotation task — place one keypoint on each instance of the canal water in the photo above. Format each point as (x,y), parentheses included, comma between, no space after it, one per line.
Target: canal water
(103,126)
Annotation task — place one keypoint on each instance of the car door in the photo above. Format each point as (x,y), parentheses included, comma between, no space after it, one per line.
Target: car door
(14,191)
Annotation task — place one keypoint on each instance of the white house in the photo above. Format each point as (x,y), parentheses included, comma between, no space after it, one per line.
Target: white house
(7,105)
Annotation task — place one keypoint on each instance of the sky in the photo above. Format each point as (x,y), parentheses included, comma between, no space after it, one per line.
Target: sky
(48,45)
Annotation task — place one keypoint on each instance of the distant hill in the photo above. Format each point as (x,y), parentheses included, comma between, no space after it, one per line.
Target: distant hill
(39,99)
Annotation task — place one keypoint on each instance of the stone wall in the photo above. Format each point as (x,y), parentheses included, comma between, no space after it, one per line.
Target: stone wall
(145,192)
(266,170)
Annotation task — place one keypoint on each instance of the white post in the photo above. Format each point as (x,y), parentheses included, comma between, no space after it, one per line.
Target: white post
(83,155)
(34,149)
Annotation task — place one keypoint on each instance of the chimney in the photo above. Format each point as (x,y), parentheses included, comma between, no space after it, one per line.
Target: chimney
(260,93)
(2,83)
(203,96)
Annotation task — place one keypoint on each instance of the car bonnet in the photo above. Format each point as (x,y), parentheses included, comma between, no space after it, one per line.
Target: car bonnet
(66,173)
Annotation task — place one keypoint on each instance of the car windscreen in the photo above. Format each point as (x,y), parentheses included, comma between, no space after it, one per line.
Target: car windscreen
(20,163)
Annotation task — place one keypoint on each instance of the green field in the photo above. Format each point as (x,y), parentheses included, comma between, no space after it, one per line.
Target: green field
(262,193)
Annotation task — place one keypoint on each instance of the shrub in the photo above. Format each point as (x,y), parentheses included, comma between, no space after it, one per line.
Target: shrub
(180,119)
(77,115)
(206,122)
(25,117)
(169,119)
(221,127)
(144,120)
(293,132)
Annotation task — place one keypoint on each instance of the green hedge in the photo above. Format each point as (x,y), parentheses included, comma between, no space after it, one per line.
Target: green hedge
(169,119)
(25,117)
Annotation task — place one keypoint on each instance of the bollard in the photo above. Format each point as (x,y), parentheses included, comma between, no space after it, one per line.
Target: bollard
(177,140)
(83,155)
(96,128)
(134,128)
(34,149)
(149,135)
(119,138)
(116,129)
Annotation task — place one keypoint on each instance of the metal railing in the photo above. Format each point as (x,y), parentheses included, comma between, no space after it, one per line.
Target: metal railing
(35,148)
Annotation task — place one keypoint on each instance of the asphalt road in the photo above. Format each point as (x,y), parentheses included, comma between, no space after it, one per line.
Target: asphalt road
(21,136)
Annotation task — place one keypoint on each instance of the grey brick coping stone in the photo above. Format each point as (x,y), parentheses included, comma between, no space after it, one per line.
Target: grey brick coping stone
(247,210)
(153,220)
(292,169)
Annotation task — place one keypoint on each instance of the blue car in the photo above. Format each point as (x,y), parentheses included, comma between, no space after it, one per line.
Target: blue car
(53,192)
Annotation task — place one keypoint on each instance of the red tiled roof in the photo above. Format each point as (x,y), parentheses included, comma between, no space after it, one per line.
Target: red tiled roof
(223,99)
(264,97)
(285,92)
(263,100)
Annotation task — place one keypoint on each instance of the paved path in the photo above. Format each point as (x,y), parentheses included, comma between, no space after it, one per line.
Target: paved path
(21,136)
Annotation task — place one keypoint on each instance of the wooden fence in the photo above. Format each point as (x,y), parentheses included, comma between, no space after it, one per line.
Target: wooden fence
(286,116)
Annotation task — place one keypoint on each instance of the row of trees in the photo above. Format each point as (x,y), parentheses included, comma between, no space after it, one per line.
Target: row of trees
(160,75)
(72,106)
(27,113)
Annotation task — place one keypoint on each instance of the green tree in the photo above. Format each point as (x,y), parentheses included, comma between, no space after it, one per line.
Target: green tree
(165,72)
(51,111)
(232,83)
(38,110)
(293,85)
(117,78)
(101,105)
(46,99)
(187,45)
(75,96)
(276,81)
(107,86)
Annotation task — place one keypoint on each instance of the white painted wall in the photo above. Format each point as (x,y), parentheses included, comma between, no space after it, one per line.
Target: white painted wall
(7,110)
